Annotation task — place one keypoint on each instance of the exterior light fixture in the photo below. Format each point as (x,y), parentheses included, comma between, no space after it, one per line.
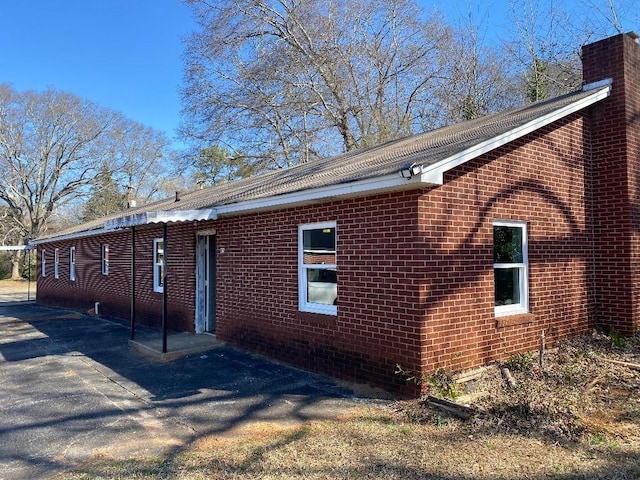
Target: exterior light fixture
(409,170)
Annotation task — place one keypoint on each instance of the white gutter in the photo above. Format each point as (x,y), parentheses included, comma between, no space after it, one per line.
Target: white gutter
(371,185)
(435,173)
(71,236)
(14,248)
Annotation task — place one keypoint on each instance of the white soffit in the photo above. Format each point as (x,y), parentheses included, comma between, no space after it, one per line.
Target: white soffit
(434,173)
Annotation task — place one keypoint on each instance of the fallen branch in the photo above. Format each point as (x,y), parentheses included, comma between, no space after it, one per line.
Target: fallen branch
(633,366)
(451,408)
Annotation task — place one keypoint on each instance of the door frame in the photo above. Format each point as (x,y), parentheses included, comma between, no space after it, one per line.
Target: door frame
(204,323)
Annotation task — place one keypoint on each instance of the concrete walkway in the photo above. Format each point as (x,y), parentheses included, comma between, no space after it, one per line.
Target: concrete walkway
(71,388)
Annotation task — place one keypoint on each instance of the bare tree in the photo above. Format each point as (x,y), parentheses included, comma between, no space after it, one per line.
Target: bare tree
(602,18)
(136,157)
(48,146)
(287,81)
(477,81)
(53,145)
(544,49)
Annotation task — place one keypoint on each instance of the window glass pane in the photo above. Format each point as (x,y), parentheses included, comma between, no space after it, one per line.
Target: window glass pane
(160,274)
(507,286)
(319,245)
(507,244)
(322,286)
(159,252)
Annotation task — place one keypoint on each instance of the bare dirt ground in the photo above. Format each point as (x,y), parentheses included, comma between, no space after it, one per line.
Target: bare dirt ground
(586,385)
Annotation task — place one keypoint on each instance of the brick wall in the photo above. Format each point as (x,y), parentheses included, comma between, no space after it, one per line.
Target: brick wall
(539,179)
(616,172)
(379,324)
(415,268)
(113,290)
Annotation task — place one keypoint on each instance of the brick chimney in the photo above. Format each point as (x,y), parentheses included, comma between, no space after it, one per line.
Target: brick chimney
(614,130)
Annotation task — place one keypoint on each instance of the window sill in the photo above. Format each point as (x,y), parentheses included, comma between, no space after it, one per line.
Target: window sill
(319,309)
(513,320)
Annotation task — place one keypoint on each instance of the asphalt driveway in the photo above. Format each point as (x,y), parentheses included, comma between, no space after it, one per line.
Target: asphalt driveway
(70,388)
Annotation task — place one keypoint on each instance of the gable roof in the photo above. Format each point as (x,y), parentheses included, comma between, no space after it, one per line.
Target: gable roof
(364,171)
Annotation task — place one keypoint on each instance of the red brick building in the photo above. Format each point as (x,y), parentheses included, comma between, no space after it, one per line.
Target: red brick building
(452,248)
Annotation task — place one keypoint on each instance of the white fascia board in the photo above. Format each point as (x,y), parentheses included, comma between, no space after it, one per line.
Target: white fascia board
(146,218)
(435,173)
(71,236)
(166,216)
(391,182)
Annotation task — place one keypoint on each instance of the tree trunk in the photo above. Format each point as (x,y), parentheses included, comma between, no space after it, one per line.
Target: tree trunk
(16,262)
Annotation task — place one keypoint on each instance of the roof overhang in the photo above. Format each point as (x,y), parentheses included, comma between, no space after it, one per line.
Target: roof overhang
(371,186)
(435,173)
(138,219)
(421,176)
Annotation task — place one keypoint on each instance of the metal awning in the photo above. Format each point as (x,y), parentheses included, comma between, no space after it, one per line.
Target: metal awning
(166,216)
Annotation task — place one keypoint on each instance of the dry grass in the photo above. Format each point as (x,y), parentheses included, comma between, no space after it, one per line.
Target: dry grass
(578,418)
(16,286)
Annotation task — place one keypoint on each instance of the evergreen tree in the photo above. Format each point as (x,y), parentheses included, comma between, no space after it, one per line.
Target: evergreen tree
(106,198)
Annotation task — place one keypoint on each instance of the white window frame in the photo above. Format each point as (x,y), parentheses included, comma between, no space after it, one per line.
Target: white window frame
(43,262)
(72,264)
(523,306)
(56,263)
(157,277)
(303,268)
(105,258)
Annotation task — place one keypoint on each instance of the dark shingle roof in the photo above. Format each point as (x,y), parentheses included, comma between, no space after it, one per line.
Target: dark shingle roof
(425,149)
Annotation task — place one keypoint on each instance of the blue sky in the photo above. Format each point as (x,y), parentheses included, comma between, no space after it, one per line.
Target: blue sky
(121,54)
(127,54)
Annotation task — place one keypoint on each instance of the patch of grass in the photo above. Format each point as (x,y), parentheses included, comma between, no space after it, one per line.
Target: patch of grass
(601,441)
(104,467)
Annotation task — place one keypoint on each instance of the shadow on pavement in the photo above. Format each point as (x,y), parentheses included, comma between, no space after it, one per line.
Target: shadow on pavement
(72,387)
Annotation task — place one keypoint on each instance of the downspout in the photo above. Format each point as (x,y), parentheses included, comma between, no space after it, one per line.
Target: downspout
(29,282)
(133,282)
(164,289)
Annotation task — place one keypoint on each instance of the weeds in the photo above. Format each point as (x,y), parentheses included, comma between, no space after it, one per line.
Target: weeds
(520,362)
(441,383)
(617,340)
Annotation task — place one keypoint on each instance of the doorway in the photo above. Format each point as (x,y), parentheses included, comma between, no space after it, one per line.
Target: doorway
(206,283)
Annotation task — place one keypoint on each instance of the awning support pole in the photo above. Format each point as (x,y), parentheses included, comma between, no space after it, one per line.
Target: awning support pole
(164,289)
(133,282)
